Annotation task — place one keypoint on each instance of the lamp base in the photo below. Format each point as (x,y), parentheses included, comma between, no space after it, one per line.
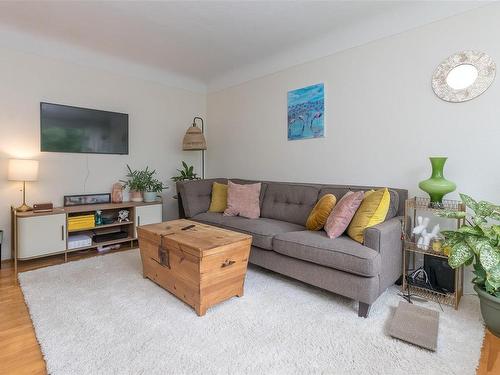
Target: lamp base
(24,208)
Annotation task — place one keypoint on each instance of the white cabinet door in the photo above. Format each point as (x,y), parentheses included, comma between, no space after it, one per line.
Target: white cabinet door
(151,214)
(41,235)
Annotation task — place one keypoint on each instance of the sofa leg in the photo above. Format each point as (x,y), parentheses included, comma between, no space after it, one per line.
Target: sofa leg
(363,310)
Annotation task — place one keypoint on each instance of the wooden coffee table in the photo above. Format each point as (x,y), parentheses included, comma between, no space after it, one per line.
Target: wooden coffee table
(200,264)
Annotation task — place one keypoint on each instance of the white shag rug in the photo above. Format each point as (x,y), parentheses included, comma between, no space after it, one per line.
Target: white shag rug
(99,316)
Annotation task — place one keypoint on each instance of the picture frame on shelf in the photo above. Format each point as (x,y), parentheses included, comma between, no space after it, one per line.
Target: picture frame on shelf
(83,199)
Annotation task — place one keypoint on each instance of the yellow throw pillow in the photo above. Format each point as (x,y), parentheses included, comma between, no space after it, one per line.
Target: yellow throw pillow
(372,211)
(319,214)
(219,198)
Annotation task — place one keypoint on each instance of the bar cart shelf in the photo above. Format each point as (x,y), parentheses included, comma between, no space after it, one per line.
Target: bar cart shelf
(410,249)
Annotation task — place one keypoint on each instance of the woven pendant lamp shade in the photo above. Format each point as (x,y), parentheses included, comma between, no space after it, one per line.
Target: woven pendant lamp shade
(194,139)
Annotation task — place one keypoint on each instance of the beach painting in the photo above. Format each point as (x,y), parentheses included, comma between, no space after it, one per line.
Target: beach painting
(306,112)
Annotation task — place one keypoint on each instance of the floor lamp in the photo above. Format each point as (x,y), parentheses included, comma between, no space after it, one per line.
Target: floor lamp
(194,140)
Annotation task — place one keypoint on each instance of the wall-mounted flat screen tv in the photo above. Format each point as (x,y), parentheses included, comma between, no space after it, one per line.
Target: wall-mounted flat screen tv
(81,130)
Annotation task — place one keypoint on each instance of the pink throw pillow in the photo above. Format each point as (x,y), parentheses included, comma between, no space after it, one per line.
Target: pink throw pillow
(243,200)
(342,213)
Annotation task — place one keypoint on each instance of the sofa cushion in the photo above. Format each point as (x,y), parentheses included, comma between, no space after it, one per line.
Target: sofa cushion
(341,253)
(394,205)
(262,229)
(243,200)
(212,218)
(218,202)
(372,211)
(394,208)
(289,202)
(263,187)
(319,214)
(342,214)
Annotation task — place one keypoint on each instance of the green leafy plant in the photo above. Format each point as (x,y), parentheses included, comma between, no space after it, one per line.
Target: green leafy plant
(187,173)
(478,242)
(136,180)
(143,180)
(155,185)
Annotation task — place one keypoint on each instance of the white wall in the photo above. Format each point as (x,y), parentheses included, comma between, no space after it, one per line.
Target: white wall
(158,119)
(382,118)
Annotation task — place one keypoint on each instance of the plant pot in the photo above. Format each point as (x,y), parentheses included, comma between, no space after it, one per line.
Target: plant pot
(490,309)
(136,196)
(437,186)
(150,196)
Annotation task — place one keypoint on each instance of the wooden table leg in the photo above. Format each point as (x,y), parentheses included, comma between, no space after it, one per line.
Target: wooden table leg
(200,309)
(241,292)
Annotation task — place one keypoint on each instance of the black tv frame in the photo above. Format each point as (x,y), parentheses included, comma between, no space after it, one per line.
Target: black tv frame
(91,109)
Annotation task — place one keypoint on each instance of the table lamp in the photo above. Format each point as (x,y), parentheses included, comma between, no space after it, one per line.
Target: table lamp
(194,140)
(23,170)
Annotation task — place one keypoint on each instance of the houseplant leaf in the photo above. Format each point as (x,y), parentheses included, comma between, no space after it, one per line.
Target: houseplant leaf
(469,202)
(460,253)
(476,231)
(489,257)
(494,274)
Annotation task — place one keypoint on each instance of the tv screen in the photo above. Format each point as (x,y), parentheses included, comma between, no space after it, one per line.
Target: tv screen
(72,129)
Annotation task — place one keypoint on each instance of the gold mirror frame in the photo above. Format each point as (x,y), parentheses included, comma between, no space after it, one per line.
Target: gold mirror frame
(486,69)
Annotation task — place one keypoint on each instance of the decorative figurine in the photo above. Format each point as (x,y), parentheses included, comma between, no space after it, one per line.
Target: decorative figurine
(422,224)
(123,216)
(424,237)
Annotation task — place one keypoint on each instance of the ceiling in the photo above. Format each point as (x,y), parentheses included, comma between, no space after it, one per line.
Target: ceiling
(209,44)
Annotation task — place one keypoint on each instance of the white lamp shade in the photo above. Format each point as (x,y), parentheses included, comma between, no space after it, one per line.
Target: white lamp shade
(23,170)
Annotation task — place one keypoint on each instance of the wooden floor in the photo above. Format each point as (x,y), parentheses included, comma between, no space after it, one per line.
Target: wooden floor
(20,352)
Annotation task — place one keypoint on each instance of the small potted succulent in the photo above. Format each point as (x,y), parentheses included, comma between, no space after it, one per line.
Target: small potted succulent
(478,242)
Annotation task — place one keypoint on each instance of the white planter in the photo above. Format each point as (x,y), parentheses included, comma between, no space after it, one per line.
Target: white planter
(150,196)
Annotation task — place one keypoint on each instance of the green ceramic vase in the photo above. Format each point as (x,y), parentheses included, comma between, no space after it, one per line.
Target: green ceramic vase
(437,186)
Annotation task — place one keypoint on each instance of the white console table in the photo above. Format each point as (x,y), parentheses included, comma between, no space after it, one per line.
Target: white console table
(36,235)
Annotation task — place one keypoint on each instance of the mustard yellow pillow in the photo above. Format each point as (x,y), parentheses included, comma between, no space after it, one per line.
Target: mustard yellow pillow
(218,202)
(319,214)
(372,211)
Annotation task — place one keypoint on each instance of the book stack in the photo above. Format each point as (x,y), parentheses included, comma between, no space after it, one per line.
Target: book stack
(81,222)
(79,240)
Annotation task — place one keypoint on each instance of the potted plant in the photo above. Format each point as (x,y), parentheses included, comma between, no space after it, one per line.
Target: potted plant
(478,242)
(136,183)
(153,186)
(187,173)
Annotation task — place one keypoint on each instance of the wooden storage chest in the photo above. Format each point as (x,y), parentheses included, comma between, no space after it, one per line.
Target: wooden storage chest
(202,265)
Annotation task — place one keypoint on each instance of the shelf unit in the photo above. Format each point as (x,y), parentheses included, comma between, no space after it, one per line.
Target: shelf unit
(37,235)
(410,248)
(106,243)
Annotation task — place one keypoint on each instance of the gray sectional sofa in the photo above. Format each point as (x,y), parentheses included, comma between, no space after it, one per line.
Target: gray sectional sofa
(282,244)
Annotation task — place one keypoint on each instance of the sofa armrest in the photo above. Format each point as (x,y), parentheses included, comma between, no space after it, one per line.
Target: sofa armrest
(383,236)
(386,239)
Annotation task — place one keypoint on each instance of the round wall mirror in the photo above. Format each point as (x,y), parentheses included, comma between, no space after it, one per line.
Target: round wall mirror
(463,76)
